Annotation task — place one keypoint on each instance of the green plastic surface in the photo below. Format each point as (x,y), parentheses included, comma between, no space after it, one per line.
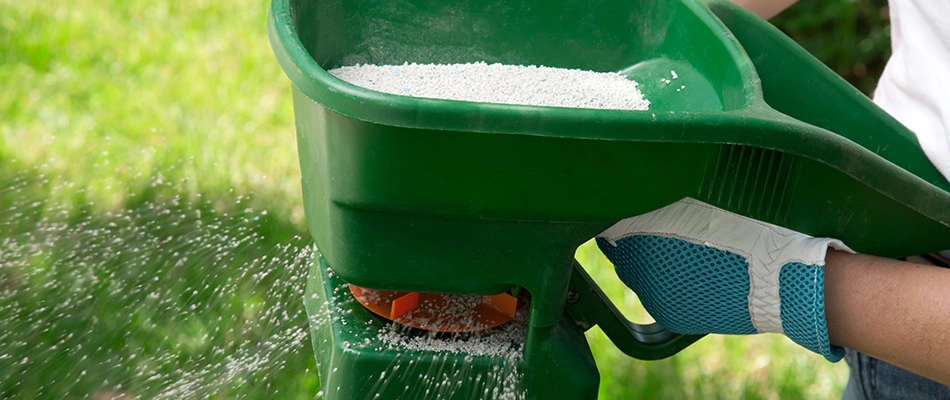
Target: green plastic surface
(460,197)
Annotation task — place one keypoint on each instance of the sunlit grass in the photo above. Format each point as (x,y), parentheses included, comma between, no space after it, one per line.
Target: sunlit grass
(105,94)
(101,99)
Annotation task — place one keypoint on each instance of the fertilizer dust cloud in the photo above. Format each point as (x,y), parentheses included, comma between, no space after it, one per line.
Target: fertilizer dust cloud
(164,299)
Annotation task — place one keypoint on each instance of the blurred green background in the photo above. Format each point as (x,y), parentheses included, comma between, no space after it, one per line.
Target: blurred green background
(115,114)
(852,37)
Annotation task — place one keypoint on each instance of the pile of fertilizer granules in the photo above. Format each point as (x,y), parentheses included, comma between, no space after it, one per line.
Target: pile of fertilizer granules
(498,83)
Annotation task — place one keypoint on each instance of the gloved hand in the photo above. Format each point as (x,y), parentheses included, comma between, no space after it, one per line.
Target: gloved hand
(699,269)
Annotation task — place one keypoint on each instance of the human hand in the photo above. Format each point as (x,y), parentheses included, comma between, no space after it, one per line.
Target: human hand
(699,269)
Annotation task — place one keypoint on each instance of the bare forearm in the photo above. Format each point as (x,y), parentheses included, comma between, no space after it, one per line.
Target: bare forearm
(765,8)
(893,310)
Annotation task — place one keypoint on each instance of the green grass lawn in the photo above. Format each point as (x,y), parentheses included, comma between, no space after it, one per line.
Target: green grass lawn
(151,221)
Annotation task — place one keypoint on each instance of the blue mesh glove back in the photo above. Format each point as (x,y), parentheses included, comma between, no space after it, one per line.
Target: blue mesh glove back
(699,269)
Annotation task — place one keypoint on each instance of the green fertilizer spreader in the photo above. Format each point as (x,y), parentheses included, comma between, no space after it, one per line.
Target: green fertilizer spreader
(439,196)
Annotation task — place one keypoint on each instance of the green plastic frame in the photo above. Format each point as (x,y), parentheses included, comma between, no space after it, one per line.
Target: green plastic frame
(460,197)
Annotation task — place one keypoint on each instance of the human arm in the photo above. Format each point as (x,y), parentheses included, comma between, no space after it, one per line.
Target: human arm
(896,311)
(765,8)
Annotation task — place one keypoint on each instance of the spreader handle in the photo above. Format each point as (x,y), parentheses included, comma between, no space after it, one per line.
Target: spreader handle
(589,306)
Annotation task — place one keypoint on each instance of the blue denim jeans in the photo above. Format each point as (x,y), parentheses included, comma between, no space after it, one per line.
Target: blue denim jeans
(873,379)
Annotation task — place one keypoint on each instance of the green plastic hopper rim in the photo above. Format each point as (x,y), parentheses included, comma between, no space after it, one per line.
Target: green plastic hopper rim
(756,125)
(412,112)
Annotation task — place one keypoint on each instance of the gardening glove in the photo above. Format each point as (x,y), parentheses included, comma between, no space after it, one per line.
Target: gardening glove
(699,269)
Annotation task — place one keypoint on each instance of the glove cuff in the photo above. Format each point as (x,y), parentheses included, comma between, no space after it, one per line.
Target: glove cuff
(802,292)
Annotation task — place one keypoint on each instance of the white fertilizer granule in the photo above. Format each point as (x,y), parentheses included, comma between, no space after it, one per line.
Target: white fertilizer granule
(506,341)
(498,83)
(504,345)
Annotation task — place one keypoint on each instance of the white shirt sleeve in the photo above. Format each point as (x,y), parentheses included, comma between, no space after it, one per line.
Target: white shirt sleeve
(915,85)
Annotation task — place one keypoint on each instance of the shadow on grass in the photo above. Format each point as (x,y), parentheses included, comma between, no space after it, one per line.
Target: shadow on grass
(164,298)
